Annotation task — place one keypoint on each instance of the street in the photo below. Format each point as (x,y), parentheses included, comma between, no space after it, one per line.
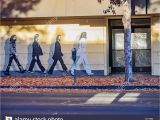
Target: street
(100,104)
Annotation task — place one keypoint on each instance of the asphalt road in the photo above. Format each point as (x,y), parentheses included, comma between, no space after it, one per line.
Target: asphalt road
(143,105)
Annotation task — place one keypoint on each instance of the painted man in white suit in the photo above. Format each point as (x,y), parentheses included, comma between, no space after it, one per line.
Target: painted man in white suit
(82,55)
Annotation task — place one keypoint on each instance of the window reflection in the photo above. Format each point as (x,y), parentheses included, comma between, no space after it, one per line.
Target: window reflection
(140,44)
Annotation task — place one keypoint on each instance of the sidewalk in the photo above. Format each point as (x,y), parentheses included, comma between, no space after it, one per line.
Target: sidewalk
(111,82)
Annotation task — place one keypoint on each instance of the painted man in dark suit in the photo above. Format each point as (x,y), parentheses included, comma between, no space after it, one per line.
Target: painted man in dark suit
(58,56)
(37,51)
(13,55)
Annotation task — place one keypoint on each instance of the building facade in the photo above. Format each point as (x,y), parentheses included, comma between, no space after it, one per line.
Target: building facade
(105,43)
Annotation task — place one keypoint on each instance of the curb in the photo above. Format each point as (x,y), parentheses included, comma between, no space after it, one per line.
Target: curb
(85,87)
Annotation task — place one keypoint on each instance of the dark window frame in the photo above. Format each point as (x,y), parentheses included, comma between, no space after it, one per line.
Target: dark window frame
(134,26)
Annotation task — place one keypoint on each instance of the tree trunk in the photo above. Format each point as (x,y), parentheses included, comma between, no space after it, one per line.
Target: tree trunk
(127,40)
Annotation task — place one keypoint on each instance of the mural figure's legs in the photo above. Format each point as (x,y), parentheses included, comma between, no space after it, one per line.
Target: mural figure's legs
(13,57)
(54,64)
(83,60)
(32,64)
(40,64)
(34,60)
(19,65)
(52,67)
(86,65)
(9,65)
(62,64)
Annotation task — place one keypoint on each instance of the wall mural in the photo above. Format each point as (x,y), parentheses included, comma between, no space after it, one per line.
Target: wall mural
(40,47)
(81,55)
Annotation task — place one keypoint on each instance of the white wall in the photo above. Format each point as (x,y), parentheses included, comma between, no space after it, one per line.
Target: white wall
(155,45)
(53,8)
(153,7)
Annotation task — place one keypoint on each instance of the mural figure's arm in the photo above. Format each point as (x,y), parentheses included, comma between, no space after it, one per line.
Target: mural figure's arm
(12,49)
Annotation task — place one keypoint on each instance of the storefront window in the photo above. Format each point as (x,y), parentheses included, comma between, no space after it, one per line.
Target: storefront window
(140,44)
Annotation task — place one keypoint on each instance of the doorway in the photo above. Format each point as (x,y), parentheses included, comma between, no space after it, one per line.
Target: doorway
(140,44)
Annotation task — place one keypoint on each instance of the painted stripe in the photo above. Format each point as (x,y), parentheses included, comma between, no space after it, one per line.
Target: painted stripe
(85,87)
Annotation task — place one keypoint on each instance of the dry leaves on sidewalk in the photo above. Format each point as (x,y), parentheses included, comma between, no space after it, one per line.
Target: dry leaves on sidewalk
(117,79)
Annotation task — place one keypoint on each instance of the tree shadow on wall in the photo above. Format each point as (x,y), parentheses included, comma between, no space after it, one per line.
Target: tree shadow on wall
(134,3)
(18,6)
